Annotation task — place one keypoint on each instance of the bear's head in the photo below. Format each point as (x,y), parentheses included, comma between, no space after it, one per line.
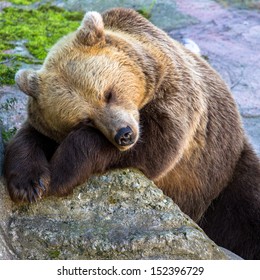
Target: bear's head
(94,75)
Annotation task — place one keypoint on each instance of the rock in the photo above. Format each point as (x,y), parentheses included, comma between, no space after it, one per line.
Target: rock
(224,35)
(231,255)
(1,152)
(6,248)
(252,128)
(13,107)
(119,215)
(4,4)
(163,13)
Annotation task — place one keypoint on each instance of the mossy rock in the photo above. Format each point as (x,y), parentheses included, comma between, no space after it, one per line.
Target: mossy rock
(39,25)
(119,215)
(38,28)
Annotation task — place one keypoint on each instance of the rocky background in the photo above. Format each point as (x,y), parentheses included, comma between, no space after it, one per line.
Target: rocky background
(120,215)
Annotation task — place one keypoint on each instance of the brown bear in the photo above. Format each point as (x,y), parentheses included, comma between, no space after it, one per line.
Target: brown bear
(118,93)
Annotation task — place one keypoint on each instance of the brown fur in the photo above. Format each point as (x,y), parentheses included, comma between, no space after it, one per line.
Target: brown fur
(189,139)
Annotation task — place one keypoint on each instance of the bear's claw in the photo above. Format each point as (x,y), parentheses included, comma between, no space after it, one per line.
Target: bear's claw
(24,189)
(41,185)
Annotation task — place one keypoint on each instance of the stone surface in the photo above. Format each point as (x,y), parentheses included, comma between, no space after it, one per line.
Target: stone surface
(229,40)
(6,247)
(251,4)
(164,13)
(1,152)
(15,115)
(252,128)
(119,215)
(230,254)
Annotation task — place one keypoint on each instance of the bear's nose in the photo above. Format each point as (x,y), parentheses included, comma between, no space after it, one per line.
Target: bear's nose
(125,136)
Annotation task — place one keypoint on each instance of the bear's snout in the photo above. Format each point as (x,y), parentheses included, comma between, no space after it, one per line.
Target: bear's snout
(125,136)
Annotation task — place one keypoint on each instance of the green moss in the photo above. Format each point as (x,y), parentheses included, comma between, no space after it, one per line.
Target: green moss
(39,28)
(54,254)
(7,74)
(10,64)
(5,45)
(7,135)
(23,2)
(147,11)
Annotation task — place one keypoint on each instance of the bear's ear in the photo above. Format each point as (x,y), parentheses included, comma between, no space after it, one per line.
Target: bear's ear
(28,82)
(91,30)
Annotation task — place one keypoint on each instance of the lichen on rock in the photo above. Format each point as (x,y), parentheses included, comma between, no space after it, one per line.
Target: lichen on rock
(118,215)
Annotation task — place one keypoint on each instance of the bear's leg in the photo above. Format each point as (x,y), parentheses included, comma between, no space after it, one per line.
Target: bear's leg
(233,219)
(83,152)
(26,166)
(86,151)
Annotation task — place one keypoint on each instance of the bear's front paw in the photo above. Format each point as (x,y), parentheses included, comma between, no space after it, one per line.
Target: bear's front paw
(28,186)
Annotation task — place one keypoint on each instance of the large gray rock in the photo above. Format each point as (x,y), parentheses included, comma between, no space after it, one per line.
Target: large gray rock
(119,215)
(1,152)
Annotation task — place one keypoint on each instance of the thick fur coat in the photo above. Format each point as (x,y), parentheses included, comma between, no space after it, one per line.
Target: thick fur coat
(118,72)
